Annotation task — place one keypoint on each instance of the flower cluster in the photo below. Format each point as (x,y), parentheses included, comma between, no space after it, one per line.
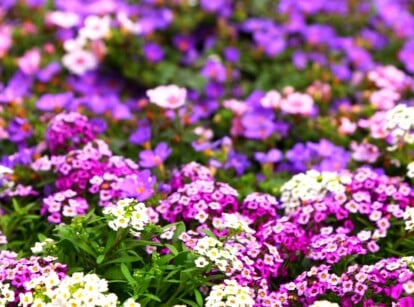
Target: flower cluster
(79,289)
(188,173)
(389,278)
(128,213)
(400,125)
(310,186)
(321,156)
(409,218)
(259,207)
(63,204)
(68,131)
(229,293)
(200,201)
(212,251)
(84,51)
(95,169)
(17,274)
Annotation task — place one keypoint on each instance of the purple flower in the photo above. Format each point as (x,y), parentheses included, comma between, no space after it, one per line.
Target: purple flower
(214,90)
(183,43)
(50,102)
(219,6)
(238,162)
(272,156)
(142,134)
(18,86)
(19,129)
(299,59)
(214,70)
(151,158)
(47,73)
(153,52)
(139,186)
(99,125)
(232,54)
(406,55)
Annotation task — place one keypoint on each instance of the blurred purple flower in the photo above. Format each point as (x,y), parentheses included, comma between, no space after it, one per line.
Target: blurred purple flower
(18,86)
(19,129)
(232,54)
(139,186)
(272,156)
(142,134)
(153,52)
(50,102)
(151,158)
(99,125)
(214,70)
(237,161)
(48,72)
(406,55)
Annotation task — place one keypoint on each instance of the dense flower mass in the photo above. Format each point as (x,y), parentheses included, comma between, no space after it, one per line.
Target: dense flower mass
(207,153)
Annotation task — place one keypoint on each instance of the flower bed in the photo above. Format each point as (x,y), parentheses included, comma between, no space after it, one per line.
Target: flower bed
(206,153)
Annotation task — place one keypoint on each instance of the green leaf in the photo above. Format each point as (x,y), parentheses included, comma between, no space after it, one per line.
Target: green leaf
(173,249)
(110,241)
(41,237)
(125,271)
(188,302)
(153,297)
(100,259)
(125,259)
(199,298)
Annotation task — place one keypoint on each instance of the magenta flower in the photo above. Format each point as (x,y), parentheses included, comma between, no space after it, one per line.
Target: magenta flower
(168,96)
(151,158)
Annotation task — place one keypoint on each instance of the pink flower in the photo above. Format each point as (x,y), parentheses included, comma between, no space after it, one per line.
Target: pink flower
(384,99)
(271,100)
(30,61)
(5,40)
(297,103)
(168,96)
(346,126)
(364,152)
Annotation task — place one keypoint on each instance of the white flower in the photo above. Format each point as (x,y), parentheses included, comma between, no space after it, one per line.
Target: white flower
(95,27)
(127,24)
(324,304)
(309,186)
(128,213)
(409,218)
(39,246)
(62,19)
(80,61)
(168,96)
(201,262)
(400,125)
(410,172)
(75,44)
(230,293)
(131,303)
(237,221)
(26,298)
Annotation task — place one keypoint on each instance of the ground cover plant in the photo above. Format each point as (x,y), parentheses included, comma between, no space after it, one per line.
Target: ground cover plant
(206,153)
